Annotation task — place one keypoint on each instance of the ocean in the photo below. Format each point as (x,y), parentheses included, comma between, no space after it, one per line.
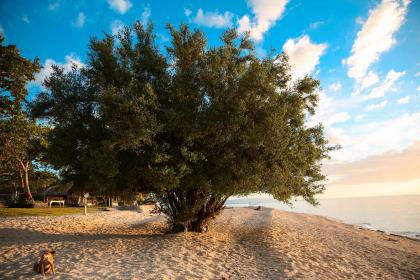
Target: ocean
(392,214)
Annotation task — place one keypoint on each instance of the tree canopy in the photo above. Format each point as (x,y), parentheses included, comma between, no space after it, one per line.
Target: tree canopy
(194,125)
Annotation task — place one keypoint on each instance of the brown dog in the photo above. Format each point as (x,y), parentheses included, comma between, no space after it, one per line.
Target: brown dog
(45,263)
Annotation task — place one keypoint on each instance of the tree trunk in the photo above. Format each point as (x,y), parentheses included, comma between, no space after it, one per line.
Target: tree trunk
(25,179)
(191,210)
(22,183)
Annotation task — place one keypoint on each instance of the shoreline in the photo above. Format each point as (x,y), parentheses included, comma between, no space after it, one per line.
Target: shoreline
(373,213)
(242,243)
(358,226)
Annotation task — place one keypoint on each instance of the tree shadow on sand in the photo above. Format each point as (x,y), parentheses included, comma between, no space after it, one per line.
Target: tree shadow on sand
(20,249)
(253,235)
(248,252)
(150,228)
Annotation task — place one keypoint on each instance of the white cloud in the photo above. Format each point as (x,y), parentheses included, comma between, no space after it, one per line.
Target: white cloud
(163,38)
(418,88)
(359,20)
(80,21)
(315,25)
(335,87)
(385,86)
(54,5)
(335,136)
(213,19)
(47,69)
(373,107)
(120,6)
(360,117)
(376,36)
(266,13)
(369,80)
(25,19)
(403,100)
(187,12)
(340,117)
(145,15)
(417,74)
(366,139)
(326,112)
(116,26)
(303,55)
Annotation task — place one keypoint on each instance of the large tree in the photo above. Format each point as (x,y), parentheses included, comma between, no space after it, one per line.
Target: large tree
(194,126)
(21,139)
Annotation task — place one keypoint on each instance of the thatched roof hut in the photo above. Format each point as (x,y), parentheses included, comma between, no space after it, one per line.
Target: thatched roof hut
(59,192)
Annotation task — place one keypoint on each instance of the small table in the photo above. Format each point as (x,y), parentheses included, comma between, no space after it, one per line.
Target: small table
(60,202)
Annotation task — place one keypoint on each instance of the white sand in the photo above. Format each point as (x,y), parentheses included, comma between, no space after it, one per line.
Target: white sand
(242,244)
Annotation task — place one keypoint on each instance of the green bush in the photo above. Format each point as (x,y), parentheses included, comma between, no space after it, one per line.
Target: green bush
(21,202)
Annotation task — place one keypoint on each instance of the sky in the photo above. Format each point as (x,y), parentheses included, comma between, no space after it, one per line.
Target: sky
(365,53)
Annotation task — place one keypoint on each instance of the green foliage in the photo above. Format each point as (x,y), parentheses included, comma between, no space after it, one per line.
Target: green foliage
(16,71)
(21,139)
(195,126)
(40,180)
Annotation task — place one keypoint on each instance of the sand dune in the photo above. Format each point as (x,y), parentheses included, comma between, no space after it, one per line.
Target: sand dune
(242,244)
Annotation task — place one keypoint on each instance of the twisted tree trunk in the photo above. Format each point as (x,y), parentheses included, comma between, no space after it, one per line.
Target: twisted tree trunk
(191,210)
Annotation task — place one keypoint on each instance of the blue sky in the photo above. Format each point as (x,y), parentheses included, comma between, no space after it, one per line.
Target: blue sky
(365,53)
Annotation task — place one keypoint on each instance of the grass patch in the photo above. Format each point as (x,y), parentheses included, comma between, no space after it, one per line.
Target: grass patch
(55,211)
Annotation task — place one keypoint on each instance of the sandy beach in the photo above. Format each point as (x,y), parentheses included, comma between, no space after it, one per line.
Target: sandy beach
(241,244)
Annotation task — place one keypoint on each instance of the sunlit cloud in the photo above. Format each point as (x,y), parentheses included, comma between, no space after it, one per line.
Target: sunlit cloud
(212,19)
(376,106)
(315,25)
(187,12)
(116,26)
(386,85)
(266,13)
(304,55)
(335,87)
(326,112)
(376,36)
(80,20)
(369,80)
(376,137)
(145,16)
(403,100)
(390,166)
(47,68)
(120,6)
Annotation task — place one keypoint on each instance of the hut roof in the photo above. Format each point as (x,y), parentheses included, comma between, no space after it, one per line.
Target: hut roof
(59,189)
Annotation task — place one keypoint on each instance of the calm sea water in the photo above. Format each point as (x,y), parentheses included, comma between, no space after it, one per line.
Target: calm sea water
(392,214)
